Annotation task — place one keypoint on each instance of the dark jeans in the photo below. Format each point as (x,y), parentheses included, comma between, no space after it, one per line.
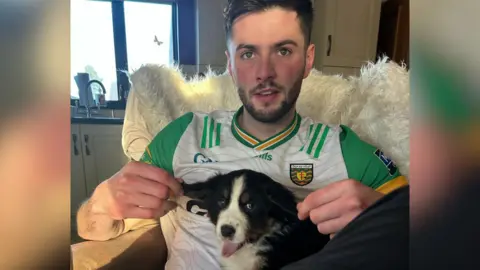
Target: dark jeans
(377,239)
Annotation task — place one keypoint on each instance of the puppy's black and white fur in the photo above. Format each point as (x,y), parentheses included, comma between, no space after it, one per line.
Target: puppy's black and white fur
(256,221)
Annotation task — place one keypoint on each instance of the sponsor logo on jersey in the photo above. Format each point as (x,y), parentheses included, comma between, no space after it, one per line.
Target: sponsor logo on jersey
(392,168)
(266,156)
(301,174)
(196,207)
(201,158)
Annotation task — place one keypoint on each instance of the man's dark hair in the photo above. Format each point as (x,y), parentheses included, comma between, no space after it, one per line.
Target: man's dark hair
(237,8)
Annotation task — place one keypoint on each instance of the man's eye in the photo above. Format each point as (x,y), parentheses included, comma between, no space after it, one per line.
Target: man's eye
(247,55)
(284,52)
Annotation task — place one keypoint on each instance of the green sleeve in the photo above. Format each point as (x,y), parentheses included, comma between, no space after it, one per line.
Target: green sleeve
(365,162)
(161,150)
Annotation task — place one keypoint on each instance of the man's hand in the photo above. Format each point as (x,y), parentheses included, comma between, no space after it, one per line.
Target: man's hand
(138,190)
(334,206)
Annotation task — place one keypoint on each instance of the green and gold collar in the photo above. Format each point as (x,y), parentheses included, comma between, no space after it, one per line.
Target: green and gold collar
(282,137)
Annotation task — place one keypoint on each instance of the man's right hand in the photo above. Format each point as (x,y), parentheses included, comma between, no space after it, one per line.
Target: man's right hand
(138,190)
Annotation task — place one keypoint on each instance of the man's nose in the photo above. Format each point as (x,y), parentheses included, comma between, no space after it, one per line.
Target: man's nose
(265,70)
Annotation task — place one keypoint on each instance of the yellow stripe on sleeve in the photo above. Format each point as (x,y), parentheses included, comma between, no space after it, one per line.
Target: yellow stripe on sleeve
(148,151)
(393,184)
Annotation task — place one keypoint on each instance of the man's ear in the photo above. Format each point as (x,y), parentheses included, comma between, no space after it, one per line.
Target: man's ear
(310,58)
(229,63)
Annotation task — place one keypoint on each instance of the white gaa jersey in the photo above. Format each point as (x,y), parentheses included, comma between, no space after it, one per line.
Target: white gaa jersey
(304,157)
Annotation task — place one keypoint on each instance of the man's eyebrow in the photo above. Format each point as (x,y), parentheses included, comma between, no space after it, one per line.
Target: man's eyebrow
(286,42)
(245,46)
(276,45)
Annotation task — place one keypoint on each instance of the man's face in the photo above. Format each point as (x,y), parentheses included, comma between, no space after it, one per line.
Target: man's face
(268,60)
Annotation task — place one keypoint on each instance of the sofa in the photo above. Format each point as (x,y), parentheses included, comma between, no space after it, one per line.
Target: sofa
(375,104)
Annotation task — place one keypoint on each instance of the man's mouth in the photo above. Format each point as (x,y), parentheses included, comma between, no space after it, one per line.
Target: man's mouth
(266,95)
(266,92)
(229,248)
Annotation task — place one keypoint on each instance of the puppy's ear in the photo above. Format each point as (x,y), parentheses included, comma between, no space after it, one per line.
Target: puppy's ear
(199,191)
(282,198)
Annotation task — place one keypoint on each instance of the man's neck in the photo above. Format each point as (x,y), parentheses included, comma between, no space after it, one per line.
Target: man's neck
(263,131)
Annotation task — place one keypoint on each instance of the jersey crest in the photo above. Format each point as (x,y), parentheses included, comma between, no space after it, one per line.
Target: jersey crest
(301,174)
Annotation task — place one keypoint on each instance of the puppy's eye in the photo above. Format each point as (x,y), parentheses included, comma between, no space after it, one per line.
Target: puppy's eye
(249,206)
(222,202)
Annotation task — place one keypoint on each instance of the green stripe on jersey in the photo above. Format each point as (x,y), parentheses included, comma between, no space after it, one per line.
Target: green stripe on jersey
(211,133)
(308,136)
(204,136)
(218,131)
(314,139)
(321,142)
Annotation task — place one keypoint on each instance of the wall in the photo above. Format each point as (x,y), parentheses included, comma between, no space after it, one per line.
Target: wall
(211,35)
(210,38)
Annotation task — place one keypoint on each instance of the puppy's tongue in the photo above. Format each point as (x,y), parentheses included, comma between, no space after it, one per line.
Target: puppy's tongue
(229,248)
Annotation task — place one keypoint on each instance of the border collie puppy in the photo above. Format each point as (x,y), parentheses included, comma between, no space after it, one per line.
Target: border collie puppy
(256,221)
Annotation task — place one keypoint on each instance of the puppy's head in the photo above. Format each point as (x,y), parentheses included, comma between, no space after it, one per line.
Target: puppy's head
(244,205)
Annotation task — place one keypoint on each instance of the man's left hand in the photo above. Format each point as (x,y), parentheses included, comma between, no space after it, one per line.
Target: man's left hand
(334,206)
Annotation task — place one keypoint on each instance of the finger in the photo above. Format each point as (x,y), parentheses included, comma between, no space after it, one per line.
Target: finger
(154,173)
(333,226)
(326,212)
(139,199)
(318,198)
(138,184)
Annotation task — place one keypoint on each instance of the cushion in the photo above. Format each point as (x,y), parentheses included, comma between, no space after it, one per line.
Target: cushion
(375,104)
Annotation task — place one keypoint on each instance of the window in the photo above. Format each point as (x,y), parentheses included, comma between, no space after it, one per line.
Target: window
(92,45)
(112,36)
(149,40)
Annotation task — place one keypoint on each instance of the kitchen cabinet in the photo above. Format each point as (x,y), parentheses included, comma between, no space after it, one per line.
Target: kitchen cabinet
(96,154)
(345,33)
(78,189)
(394,32)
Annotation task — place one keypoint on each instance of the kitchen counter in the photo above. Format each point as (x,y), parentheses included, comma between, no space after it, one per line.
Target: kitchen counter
(97,120)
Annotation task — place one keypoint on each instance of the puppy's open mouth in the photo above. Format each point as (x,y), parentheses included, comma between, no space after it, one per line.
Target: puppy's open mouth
(229,248)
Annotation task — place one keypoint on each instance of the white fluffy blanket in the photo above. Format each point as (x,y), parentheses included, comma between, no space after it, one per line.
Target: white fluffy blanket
(375,104)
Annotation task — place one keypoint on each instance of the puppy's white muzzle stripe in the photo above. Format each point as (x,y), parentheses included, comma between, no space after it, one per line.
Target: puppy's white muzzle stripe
(232,215)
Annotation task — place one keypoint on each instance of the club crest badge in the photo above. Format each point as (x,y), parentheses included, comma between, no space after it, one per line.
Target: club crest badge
(301,174)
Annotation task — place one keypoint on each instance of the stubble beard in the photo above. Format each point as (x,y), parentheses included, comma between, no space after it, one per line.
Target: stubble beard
(273,116)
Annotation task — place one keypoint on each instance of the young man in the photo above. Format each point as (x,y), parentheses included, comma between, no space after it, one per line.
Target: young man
(334,174)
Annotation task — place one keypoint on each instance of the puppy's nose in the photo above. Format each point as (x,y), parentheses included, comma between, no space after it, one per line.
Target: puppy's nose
(227,230)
